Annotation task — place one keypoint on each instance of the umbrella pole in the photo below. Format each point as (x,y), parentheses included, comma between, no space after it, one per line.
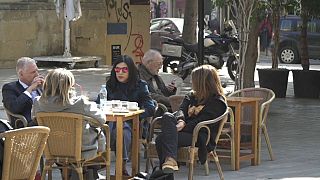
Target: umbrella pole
(66,38)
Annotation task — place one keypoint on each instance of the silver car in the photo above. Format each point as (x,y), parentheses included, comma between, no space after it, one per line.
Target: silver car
(167,27)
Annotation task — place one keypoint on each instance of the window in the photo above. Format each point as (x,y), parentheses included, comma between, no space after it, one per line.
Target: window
(166,25)
(155,25)
(312,26)
(286,25)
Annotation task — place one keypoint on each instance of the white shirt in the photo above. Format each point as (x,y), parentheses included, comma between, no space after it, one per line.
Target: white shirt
(33,94)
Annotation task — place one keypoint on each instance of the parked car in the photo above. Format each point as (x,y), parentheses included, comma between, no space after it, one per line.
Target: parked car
(167,27)
(290,35)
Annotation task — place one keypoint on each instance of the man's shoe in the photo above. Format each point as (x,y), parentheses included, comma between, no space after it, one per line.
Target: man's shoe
(170,165)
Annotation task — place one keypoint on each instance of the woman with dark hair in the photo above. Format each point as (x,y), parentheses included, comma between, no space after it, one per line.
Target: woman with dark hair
(125,84)
(205,101)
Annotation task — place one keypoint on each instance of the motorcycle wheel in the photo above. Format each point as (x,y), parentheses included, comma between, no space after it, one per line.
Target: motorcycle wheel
(170,63)
(232,67)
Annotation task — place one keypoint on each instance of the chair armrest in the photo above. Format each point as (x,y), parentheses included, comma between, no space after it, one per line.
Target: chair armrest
(204,124)
(153,124)
(160,108)
(264,108)
(19,117)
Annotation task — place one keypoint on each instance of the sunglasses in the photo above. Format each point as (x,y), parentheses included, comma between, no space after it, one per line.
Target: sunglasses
(123,69)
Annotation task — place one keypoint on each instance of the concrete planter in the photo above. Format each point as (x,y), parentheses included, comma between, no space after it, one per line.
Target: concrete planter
(274,79)
(306,83)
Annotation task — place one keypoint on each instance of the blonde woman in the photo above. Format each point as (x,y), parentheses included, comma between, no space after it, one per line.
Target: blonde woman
(205,101)
(58,96)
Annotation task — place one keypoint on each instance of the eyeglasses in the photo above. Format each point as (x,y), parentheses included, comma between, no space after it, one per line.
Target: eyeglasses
(123,69)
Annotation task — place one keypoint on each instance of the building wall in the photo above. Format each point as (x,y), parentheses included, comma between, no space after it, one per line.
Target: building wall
(128,29)
(32,28)
(27,29)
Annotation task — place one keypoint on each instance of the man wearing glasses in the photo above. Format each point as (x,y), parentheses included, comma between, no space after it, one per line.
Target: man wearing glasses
(149,71)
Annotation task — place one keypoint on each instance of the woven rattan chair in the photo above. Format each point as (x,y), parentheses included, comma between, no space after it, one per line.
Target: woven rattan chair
(225,148)
(267,96)
(189,154)
(22,152)
(64,143)
(16,120)
(175,102)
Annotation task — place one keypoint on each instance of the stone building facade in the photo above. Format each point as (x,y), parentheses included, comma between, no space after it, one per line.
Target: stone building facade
(32,28)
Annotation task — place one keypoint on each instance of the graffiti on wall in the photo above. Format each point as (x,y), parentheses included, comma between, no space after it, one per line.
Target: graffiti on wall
(123,13)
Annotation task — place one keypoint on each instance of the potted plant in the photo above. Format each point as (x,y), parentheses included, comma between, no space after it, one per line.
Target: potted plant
(275,78)
(306,82)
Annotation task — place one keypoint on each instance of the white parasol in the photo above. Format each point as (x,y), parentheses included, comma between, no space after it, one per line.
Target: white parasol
(72,12)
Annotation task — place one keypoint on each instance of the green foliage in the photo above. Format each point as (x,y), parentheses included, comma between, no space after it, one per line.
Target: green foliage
(311,8)
(220,3)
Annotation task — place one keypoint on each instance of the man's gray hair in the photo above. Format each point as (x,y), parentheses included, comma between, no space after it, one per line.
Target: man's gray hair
(23,62)
(150,55)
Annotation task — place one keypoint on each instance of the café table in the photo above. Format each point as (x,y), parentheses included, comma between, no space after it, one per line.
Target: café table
(238,103)
(120,118)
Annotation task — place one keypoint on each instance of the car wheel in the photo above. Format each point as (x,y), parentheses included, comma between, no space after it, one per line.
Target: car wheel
(288,55)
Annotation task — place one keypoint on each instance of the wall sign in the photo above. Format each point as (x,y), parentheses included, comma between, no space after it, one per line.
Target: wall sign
(116,28)
(115,52)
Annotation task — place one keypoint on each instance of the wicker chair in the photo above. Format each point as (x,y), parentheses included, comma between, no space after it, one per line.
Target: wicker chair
(175,102)
(225,147)
(22,152)
(267,96)
(64,143)
(16,120)
(189,154)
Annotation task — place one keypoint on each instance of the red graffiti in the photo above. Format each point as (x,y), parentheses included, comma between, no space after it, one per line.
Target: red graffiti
(138,43)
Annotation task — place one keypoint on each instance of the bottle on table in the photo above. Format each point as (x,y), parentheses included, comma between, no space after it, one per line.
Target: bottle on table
(103,94)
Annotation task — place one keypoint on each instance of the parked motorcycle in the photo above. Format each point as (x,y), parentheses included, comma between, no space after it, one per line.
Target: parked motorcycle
(181,57)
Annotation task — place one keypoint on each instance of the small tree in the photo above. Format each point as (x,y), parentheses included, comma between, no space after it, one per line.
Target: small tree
(309,9)
(243,10)
(190,21)
(275,5)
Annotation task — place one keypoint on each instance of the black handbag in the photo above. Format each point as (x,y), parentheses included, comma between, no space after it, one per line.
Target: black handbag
(158,174)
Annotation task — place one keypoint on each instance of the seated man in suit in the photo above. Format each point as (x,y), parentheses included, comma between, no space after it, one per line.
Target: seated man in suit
(18,95)
(149,69)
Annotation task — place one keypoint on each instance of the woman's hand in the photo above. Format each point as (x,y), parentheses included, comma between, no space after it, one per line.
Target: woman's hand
(180,125)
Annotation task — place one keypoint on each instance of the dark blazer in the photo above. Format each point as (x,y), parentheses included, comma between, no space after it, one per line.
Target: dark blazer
(16,101)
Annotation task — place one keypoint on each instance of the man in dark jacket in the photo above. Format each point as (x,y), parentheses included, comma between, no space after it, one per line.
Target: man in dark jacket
(18,95)
(151,64)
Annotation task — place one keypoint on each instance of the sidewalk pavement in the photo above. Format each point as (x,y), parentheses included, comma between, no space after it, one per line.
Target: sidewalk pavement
(293,128)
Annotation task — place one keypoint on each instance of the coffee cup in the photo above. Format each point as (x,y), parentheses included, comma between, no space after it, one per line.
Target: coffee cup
(133,106)
(116,104)
(109,105)
(124,104)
